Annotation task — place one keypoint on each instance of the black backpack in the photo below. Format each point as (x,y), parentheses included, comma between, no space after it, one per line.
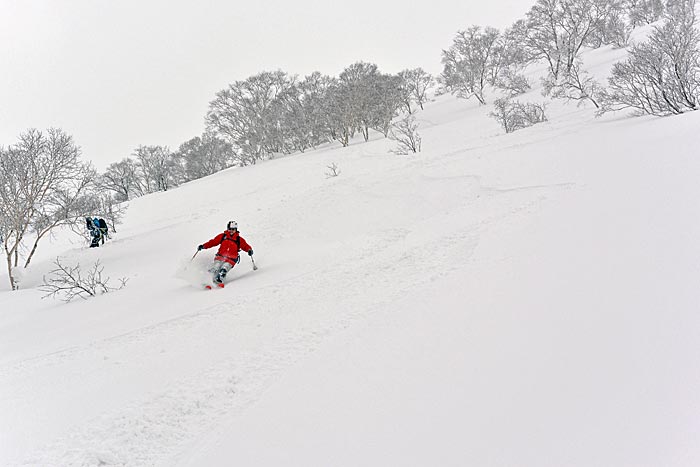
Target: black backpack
(103,224)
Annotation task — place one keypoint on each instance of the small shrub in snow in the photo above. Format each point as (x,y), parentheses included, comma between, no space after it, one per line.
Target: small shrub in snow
(405,133)
(67,282)
(514,115)
(333,170)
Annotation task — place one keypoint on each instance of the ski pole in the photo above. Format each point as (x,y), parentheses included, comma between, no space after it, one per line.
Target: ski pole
(255,268)
(195,254)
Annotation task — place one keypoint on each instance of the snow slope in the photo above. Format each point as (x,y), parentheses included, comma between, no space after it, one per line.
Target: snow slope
(527,299)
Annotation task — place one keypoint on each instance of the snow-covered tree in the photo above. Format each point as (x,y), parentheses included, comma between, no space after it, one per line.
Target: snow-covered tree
(247,115)
(414,86)
(205,155)
(315,90)
(470,62)
(576,85)
(641,12)
(405,133)
(160,169)
(662,75)
(339,109)
(356,83)
(371,98)
(386,101)
(514,115)
(124,178)
(556,30)
(512,82)
(614,28)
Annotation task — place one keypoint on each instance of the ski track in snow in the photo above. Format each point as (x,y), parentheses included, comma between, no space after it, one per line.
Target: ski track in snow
(156,424)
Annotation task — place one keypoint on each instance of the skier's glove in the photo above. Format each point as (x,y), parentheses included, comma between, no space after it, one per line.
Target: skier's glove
(250,252)
(200,247)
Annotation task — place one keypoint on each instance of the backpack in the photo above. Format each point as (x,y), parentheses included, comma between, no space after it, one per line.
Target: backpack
(103,224)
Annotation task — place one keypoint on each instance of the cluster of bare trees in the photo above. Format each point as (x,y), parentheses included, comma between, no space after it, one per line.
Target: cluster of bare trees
(660,77)
(157,168)
(275,113)
(553,31)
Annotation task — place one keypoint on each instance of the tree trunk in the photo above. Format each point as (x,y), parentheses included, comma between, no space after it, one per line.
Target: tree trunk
(31,253)
(13,283)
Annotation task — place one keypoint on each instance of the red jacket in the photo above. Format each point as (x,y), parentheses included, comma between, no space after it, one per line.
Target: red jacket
(230,245)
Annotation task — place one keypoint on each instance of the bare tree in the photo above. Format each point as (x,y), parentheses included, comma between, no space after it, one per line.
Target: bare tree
(247,115)
(514,115)
(68,282)
(339,109)
(315,90)
(470,62)
(124,178)
(371,98)
(641,12)
(385,103)
(414,86)
(512,82)
(161,170)
(41,185)
(204,156)
(576,85)
(556,30)
(405,133)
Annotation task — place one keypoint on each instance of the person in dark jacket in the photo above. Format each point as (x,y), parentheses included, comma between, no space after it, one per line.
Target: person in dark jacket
(94,232)
(230,243)
(104,230)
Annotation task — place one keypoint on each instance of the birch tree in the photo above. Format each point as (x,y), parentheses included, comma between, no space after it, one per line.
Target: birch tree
(124,178)
(246,115)
(662,75)
(414,87)
(205,155)
(556,30)
(160,169)
(42,183)
(470,61)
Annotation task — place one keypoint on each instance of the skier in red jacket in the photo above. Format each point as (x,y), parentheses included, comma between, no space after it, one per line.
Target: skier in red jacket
(230,243)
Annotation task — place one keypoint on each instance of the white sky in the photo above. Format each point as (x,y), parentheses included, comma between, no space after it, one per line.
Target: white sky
(117,74)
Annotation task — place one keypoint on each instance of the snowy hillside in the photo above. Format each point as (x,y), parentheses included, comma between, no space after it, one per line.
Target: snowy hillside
(528,299)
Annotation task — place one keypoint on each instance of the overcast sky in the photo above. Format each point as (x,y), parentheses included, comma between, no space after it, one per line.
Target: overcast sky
(121,73)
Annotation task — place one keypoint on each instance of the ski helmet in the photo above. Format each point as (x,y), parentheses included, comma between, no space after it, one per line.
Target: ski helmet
(232,225)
